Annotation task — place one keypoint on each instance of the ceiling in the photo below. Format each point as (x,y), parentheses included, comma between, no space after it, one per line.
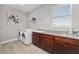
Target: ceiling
(24,7)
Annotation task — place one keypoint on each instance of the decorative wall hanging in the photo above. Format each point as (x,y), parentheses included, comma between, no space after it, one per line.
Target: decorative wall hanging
(34,20)
(13,18)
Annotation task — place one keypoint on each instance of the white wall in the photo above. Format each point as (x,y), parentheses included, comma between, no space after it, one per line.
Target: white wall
(75,16)
(43,16)
(8,32)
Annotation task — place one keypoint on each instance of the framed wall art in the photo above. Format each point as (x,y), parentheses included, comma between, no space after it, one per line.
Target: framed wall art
(14,18)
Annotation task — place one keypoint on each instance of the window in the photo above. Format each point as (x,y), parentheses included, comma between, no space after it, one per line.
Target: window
(61,16)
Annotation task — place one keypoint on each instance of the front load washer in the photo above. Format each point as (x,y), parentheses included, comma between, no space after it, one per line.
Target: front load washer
(25,35)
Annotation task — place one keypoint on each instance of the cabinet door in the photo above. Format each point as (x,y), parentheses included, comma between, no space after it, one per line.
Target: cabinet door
(72,49)
(60,47)
(35,39)
(47,44)
(72,46)
(41,42)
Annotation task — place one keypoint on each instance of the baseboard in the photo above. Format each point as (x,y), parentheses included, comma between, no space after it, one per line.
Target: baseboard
(11,40)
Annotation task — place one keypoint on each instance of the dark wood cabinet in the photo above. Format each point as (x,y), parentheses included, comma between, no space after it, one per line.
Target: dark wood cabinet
(72,49)
(43,41)
(47,42)
(60,45)
(72,46)
(35,37)
(56,44)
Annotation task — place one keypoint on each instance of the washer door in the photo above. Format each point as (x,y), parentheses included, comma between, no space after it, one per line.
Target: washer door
(23,35)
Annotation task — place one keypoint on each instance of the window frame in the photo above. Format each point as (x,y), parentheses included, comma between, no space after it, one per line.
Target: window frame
(59,6)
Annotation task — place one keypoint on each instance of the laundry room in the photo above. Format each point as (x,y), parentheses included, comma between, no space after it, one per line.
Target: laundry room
(39,29)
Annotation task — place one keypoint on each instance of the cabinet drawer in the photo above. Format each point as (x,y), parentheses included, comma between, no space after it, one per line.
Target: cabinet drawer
(35,34)
(62,39)
(60,43)
(47,36)
(73,41)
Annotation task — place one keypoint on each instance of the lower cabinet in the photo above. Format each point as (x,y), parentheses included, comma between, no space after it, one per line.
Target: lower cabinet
(47,44)
(60,47)
(72,49)
(43,41)
(55,44)
(35,38)
(72,46)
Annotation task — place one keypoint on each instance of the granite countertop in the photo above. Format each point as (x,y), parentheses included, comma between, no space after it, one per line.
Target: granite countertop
(59,34)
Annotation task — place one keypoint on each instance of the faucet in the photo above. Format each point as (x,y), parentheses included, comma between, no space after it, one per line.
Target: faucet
(75,31)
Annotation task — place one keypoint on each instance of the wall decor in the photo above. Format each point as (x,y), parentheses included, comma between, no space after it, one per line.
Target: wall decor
(13,18)
(34,20)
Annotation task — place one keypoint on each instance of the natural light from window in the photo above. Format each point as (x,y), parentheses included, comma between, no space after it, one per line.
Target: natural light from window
(61,16)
